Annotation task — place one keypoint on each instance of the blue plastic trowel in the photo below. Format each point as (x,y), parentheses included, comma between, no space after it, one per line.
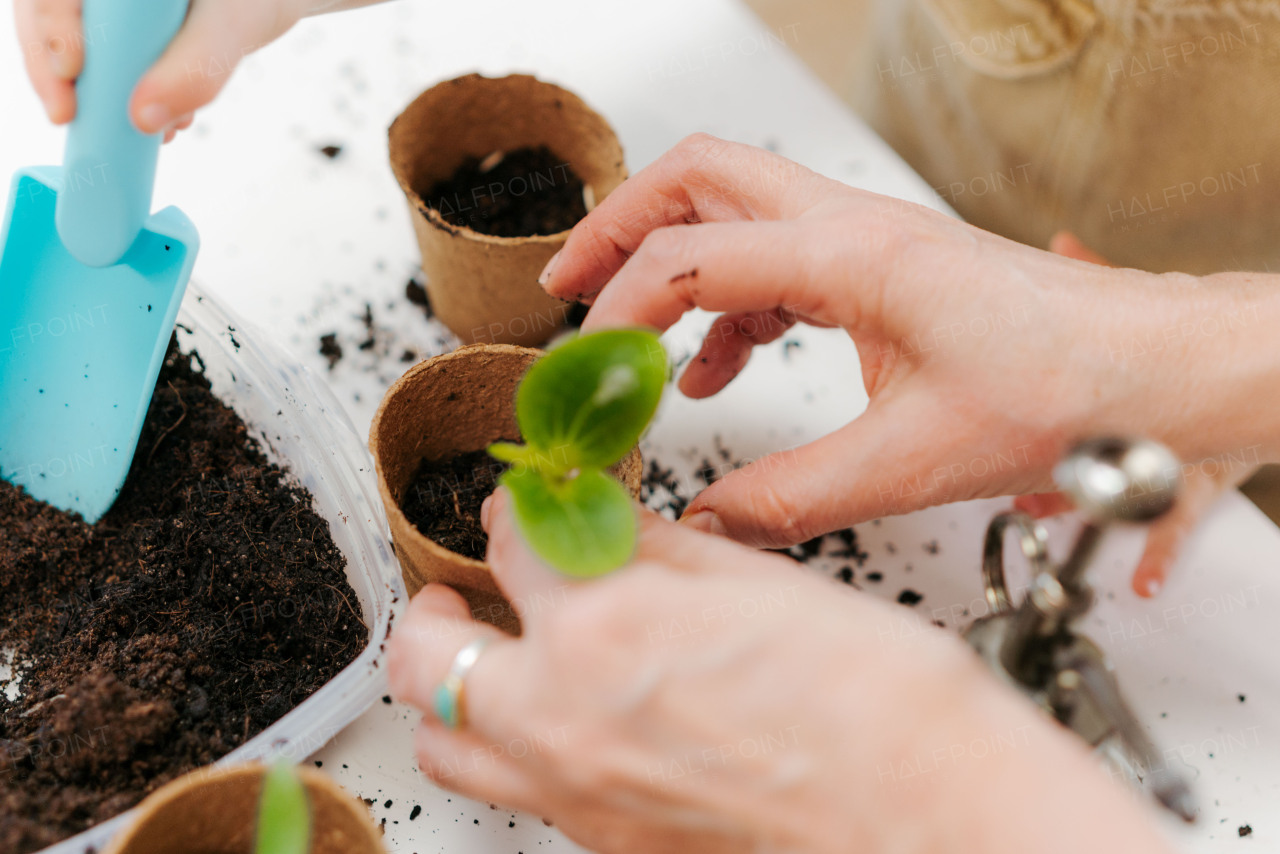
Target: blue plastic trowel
(90,281)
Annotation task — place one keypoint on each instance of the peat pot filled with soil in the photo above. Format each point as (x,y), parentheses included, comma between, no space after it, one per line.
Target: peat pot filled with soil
(497,171)
(215,811)
(428,441)
(233,600)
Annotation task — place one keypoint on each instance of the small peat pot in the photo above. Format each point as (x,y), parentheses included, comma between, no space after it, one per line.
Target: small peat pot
(215,811)
(428,440)
(497,171)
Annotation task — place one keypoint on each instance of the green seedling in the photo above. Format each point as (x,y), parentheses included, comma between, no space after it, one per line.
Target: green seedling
(581,408)
(284,814)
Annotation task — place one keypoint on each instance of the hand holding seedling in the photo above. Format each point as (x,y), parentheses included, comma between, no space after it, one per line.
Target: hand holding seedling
(582,408)
(216,36)
(983,359)
(712,698)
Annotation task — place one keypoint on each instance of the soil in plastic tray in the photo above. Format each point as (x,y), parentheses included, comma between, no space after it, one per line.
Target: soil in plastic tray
(443,500)
(517,193)
(205,605)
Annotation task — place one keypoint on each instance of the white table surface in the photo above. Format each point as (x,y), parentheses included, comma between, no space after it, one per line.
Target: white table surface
(297,243)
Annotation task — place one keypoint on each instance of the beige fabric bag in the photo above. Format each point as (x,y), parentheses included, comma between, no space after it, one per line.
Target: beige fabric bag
(1150,128)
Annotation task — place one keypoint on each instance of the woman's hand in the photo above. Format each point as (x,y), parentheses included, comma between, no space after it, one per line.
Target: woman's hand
(984,359)
(216,35)
(712,698)
(1202,486)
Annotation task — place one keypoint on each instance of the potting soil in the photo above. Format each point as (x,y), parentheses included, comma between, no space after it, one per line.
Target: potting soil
(205,605)
(443,500)
(528,191)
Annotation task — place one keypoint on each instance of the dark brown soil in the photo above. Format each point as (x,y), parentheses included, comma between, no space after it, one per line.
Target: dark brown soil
(207,603)
(528,191)
(330,348)
(577,314)
(663,492)
(416,294)
(909,597)
(443,500)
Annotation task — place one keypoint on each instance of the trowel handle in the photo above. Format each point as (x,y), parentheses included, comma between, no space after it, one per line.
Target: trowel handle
(109,168)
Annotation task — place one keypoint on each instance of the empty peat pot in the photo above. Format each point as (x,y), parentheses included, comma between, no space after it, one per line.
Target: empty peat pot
(215,811)
(484,287)
(446,406)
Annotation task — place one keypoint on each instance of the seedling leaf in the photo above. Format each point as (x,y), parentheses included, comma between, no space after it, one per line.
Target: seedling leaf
(284,815)
(584,526)
(515,454)
(588,401)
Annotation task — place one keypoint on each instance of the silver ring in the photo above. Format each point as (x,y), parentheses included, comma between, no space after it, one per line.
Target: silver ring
(450,700)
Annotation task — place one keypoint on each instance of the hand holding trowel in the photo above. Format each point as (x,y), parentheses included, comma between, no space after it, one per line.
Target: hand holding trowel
(90,282)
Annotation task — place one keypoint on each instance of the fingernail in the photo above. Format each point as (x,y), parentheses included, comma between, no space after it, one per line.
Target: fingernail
(154,118)
(485,509)
(547,270)
(1148,581)
(707,522)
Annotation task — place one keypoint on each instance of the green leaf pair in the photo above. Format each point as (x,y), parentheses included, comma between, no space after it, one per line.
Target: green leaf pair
(581,409)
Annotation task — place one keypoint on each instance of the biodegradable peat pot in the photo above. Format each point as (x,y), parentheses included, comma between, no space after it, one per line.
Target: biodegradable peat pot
(215,811)
(485,288)
(454,404)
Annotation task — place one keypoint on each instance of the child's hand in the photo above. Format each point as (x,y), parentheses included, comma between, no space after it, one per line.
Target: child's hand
(189,75)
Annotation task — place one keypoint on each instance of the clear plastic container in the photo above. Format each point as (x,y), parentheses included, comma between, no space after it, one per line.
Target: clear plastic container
(302,427)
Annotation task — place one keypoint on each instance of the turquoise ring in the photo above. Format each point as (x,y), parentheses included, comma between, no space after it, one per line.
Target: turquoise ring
(450,700)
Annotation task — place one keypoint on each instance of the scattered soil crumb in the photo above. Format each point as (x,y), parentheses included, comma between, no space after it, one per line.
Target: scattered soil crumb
(910,597)
(370,330)
(330,348)
(416,294)
(665,493)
